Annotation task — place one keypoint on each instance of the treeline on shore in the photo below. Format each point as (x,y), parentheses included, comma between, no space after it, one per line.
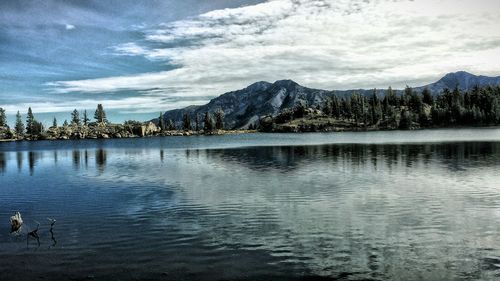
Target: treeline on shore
(479,106)
(81,127)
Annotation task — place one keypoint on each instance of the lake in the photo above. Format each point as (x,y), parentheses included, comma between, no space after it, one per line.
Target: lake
(398,205)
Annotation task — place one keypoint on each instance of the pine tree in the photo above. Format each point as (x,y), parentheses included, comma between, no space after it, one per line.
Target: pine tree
(208,126)
(335,104)
(54,122)
(3,118)
(346,109)
(219,119)
(186,122)
(385,107)
(405,121)
(170,125)
(75,117)
(392,99)
(85,118)
(327,107)
(375,108)
(405,99)
(427,97)
(19,125)
(415,103)
(65,124)
(161,122)
(30,119)
(100,114)
(37,128)
(197,121)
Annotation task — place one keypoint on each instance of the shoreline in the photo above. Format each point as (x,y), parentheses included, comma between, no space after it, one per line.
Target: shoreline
(163,134)
(242,132)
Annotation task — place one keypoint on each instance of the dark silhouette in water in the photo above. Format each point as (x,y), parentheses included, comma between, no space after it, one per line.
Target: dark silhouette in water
(33,234)
(52,222)
(100,159)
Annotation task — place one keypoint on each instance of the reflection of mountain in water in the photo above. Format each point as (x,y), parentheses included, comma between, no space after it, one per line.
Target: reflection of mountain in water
(287,158)
(371,212)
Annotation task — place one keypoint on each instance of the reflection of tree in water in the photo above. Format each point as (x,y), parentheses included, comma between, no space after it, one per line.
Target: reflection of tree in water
(100,159)
(86,159)
(3,162)
(19,160)
(33,157)
(455,156)
(76,159)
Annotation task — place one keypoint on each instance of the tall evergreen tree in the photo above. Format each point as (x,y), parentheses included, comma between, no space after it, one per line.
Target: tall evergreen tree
(415,103)
(219,119)
(19,125)
(75,117)
(85,118)
(37,128)
(3,118)
(54,122)
(346,109)
(375,108)
(392,99)
(30,119)
(186,122)
(208,123)
(170,125)
(335,111)
(427,97)
(100,114)
(161,122)
(197,121)
(405,121)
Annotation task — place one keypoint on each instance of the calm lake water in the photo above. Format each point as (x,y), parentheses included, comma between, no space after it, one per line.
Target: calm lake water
(413,205)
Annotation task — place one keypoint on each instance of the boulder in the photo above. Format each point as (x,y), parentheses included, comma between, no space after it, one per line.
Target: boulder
(148,129)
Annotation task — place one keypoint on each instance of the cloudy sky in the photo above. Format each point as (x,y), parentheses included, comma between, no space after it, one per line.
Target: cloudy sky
(142,57)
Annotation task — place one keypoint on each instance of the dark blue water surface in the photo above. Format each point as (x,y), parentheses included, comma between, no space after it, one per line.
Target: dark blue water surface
(411,205)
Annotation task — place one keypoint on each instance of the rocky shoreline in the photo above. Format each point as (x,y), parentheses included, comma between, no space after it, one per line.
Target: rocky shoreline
(107,131)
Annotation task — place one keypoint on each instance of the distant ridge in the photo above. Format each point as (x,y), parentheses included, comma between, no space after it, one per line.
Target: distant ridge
(463,79)
(244,107)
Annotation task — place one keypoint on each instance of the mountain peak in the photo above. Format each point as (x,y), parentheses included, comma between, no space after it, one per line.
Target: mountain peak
(458,74)
(463,80)
(287,83)
(258,86)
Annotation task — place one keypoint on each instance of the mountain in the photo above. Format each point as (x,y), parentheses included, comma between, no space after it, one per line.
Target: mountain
(464,80)
(244,107)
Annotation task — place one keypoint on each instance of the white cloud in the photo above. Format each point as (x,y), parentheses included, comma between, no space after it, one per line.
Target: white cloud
(69,26)
(141,104)
(319,43)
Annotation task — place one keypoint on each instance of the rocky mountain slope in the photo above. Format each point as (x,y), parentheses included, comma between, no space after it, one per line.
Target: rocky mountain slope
(244,107)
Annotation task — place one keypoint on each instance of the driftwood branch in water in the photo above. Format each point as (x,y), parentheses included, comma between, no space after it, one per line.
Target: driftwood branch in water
(33,234)
(52,222)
